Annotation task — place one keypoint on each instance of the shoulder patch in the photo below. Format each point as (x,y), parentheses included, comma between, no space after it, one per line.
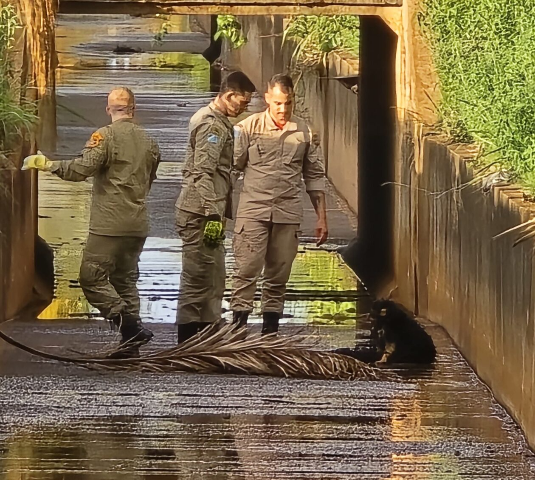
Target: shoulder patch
(95,140)
(212,138)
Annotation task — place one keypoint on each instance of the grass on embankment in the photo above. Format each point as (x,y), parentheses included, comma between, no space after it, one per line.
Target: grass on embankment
(484,53)
(16,116)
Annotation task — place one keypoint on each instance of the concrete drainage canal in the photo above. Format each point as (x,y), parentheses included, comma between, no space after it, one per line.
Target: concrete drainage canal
(57,421)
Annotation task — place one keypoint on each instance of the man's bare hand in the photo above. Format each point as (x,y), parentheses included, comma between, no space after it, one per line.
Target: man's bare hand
(322,232)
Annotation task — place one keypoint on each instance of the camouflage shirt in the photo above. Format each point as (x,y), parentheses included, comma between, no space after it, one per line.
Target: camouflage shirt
(207,182)
(123,160)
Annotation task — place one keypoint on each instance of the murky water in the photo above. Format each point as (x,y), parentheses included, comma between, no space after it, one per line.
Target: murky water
(58,422)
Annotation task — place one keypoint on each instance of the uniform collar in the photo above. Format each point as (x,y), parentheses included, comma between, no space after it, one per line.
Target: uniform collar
(291,126)
(124,119)
(219,114)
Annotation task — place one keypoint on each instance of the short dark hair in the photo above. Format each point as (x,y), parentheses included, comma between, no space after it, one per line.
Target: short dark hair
(237,82)
(284,82)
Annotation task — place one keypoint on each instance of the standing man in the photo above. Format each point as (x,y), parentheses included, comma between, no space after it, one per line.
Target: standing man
(275,150)
(123,160)
(203,204)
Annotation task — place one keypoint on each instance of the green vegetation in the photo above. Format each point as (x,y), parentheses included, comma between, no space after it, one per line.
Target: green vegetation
(483,52)
(317,36)
(163,30)
(14,117)
(229,28)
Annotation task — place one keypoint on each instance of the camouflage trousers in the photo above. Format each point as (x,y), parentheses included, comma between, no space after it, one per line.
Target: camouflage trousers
(202,281)
(109,274)
(258,246)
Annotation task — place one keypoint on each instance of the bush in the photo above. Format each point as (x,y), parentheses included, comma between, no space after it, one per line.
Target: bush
(317,36)
(483,53)
(229,27)
(14,116)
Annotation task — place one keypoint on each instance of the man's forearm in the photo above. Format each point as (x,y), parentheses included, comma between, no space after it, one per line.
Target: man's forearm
(206,190)
(317,197)
(70,170)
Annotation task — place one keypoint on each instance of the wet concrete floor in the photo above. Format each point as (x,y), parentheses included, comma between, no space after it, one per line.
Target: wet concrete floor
(60,422)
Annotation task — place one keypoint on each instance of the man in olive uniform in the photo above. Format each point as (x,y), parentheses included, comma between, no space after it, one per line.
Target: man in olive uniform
(204,203)
(276,151)
(123,160)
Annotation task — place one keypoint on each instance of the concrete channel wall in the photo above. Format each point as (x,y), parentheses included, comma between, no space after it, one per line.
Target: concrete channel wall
(447,267)
(18,229)
(18,216)
(450,269)
(33,79)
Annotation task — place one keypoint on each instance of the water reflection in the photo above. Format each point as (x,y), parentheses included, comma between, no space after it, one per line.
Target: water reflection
(199,446)
(79,45)
(189,448)
(159,73)
(220,447)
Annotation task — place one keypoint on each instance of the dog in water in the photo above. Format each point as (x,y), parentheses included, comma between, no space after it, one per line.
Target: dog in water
(396,337)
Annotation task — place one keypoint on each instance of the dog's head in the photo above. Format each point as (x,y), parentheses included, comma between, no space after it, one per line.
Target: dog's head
(383,315)
(383,310)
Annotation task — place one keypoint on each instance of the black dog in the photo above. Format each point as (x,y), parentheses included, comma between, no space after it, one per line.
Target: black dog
(396,337)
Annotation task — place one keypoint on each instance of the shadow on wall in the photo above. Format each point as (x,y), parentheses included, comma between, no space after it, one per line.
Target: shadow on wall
(43,285)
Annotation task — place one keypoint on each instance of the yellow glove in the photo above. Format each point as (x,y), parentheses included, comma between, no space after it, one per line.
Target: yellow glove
(39,161)
(214,232)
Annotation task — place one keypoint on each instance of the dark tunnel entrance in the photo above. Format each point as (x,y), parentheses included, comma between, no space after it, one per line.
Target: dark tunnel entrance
(371,253)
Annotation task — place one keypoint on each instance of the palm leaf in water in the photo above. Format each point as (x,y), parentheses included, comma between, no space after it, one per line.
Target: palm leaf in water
(225,350)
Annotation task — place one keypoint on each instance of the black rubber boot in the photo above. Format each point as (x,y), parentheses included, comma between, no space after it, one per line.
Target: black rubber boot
(240,318)
(185,331)
(133,333)
(136,334)
(270,323)
(133,330)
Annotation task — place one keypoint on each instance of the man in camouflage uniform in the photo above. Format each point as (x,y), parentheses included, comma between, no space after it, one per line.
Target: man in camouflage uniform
(123,160)
(276,151)
(204,203)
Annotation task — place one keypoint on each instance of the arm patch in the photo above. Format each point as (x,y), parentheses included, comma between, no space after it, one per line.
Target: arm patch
(213,138)
(95,140)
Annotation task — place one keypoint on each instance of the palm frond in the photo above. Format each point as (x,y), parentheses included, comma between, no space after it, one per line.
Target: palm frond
(225,350)
(530,233)
(525,231)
